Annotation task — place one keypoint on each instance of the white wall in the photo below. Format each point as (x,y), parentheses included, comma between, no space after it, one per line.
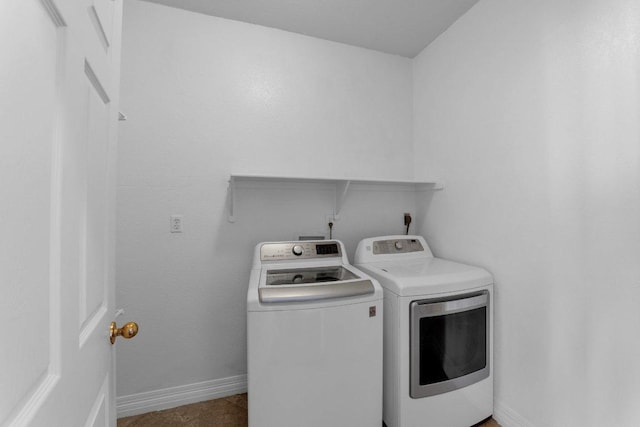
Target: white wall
(206,97)
(530,111)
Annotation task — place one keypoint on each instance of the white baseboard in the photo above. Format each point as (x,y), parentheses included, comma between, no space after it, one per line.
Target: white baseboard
(507,417)
(171,397)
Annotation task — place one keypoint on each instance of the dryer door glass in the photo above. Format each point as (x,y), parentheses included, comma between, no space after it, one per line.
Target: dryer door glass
(452,346)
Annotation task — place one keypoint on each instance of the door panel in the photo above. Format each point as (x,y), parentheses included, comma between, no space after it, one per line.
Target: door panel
(29,255)
(58,109)
(103,11)
(94,199)
(98,416)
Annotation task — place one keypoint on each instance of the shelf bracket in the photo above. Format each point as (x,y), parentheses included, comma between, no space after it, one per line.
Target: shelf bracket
(231,199)
(342,187)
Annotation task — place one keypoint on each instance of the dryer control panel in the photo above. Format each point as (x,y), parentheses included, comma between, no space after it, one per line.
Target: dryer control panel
(392,248)
(397,246)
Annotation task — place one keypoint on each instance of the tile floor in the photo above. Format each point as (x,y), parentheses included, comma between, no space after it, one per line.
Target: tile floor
(225,412)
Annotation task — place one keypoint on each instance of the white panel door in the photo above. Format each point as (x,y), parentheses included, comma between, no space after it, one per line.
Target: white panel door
(59,78)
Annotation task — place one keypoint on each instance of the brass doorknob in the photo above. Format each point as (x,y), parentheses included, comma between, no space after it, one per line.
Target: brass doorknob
(129,330)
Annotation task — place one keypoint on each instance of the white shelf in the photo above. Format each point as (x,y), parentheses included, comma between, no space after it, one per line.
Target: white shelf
(341,184)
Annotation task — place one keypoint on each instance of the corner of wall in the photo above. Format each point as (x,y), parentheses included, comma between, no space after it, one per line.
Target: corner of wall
(507,417)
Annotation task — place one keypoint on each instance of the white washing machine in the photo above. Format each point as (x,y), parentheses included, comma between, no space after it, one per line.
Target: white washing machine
(438,334)
(314,331)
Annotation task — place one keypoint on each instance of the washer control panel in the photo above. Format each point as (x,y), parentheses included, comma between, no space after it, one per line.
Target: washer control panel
(286,251)
(396,246)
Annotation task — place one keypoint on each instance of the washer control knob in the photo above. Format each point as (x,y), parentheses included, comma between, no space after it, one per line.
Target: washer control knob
(297,250)
(398,245)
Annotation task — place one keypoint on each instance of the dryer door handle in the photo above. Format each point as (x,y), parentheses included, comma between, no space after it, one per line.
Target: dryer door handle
(439,307)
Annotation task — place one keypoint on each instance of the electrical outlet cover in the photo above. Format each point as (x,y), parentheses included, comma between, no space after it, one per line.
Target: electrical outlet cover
(175,223)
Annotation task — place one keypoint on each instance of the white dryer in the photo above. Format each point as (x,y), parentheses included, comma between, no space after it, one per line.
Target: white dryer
(438,334)
(314,330)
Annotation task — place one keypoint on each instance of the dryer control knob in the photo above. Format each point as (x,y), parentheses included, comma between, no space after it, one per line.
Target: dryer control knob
(398,245)
(297,250)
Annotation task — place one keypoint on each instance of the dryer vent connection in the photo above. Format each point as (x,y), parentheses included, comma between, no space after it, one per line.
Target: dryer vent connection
(407,222)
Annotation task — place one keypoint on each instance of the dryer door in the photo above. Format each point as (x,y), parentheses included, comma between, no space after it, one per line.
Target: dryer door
(449,343)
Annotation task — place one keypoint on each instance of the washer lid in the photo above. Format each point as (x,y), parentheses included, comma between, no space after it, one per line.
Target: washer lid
(314,293)
(297,276)
(426,276)
(312,283)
